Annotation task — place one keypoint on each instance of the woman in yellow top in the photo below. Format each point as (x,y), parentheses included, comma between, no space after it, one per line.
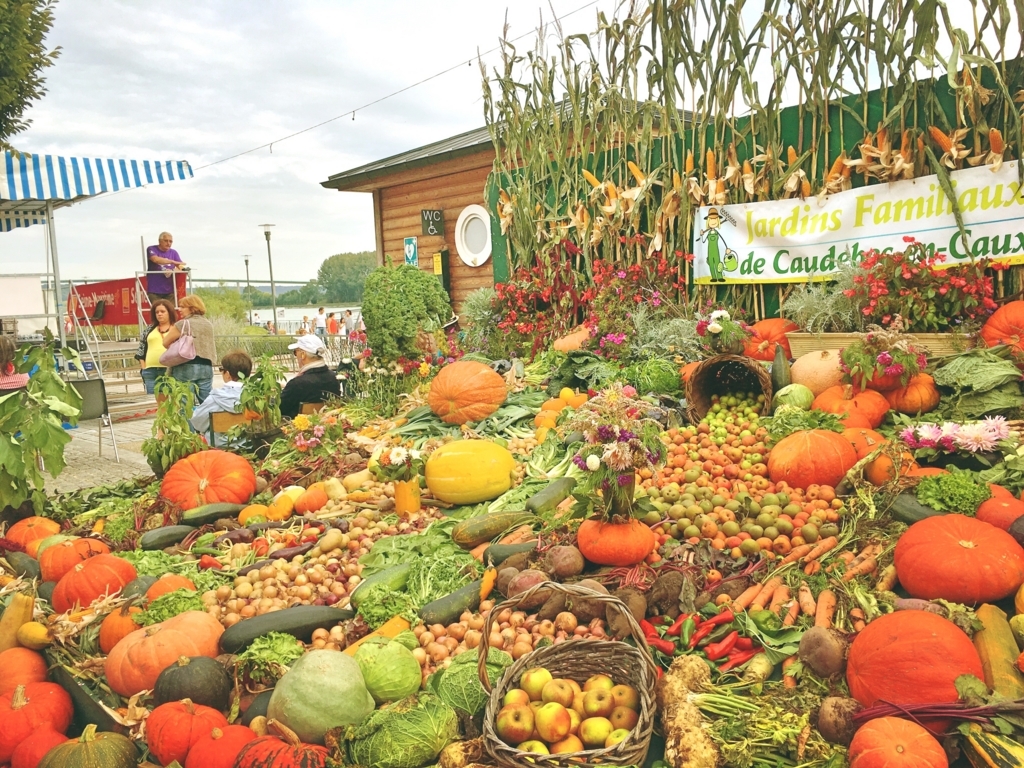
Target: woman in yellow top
(151,345)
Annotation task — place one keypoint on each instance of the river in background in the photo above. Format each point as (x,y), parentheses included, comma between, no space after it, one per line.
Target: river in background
(289,319)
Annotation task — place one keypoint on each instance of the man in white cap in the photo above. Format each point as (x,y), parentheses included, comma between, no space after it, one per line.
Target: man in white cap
(314,383)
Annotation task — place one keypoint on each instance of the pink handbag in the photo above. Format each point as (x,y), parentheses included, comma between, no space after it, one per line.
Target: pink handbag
(182,349)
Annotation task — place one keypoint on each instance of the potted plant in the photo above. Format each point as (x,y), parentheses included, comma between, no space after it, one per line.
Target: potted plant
(261,403)
(883,358)
(721,333)
(173,437)
(403,467)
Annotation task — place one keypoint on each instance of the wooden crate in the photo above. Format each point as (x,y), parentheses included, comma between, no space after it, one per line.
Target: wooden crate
(936,344)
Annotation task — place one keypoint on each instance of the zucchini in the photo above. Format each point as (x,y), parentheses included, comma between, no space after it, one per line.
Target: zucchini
(445,610)
(210,513)
(477,530)
(553,494)
(23,565)
(45,590)
(300,621)
(907,509)
(998,652)
(396,577)
(167,536)
(87,708)
(496,554)
(991,750)
(782,376)
(258,707)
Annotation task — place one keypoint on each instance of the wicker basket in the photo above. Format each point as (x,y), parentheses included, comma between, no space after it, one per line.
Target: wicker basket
(723,374)
(575,659)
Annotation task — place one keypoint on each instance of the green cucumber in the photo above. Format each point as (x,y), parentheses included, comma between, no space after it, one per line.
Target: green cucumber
(448,609)
(907,509)
(23,565)
(496,554)
(478,530)
(208,514)
(396,577)
(168,536)
(553,494)
(299,620)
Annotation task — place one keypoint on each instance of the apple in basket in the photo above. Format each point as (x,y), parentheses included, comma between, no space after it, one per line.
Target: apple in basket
(553,722)
(515,723)
(568,744)
(624,718)
(577,704)
(626,696)
(536,746)
(594,731)
(534,680)
(516,696)
(575,719)
(616,736)
(598,682)
(558,691)
(598,703)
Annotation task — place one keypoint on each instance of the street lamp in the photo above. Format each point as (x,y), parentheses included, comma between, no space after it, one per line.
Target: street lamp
(248,288)
(270,260)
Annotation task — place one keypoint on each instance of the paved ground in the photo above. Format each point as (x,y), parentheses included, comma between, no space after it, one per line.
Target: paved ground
(87,468)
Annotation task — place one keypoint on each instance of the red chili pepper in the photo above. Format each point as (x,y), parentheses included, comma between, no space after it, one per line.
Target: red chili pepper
(703,631)
(725,617)
(660,672)
(716,651)
(658,621)
(677,625)
(260,547)
(206,562)
(744,644)
(738,659)
(665,646)
(648,629)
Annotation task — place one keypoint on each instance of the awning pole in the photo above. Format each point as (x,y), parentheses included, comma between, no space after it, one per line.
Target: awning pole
(57,308)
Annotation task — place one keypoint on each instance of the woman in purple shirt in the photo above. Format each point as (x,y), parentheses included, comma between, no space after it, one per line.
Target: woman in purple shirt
(164,261)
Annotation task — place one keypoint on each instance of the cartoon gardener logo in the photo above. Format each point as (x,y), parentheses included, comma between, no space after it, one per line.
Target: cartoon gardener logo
(718,265)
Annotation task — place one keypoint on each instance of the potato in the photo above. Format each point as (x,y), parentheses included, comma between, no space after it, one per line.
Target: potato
(835,719)
(563,562)
(824,651)
(587,610)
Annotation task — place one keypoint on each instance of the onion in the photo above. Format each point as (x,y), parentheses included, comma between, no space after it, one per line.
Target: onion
(456,630)
(450,643)
(520,649)
(418,630)
(476,622)
(565,622)
(437,651)
(231,619)
(437,630)
(223,592)
(496,641)
(546,628)
(504,616)
(426,638)
(473,637)
(247,612)
(517,619)
(420,655)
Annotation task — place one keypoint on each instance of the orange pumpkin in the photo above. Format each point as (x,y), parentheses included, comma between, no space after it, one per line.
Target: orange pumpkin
(220,747)
(883,470)
(864,441)
(926,471)
(169,582)
(687,370)
(31,529)
(998,490)
(919,396)
(960,559)
(572,341)
(20,666)
(892,742)
(1000,511)
(855,421)
(577,400)
(845,400)
(173,728)
(618,544)
(90,580)
(1005,326)
(766,335)
(312,500)
(466,391)
(137,660)
(61,558)
(116,626)
(253,510)
(209,477)
(811,457)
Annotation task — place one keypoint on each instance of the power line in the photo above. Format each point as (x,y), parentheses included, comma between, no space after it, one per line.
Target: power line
(352,112)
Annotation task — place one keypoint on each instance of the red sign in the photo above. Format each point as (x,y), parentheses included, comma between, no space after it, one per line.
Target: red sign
(120,301)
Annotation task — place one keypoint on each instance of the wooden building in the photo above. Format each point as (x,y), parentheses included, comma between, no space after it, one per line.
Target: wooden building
(436,194)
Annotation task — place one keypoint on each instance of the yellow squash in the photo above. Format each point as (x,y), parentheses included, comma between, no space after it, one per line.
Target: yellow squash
(469,471)
(998,652)
(18,612)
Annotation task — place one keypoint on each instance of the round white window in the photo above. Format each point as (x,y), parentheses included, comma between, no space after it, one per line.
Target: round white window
(473,235)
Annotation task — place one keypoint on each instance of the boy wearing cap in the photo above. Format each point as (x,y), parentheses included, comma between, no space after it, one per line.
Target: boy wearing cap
(314,383)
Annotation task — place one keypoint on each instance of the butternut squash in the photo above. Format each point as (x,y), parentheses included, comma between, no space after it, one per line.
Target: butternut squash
(998,652)
(18,612)
(357,480)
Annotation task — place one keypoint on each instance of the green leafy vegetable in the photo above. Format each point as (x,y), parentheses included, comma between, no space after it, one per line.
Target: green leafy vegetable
(168,606)
(408,639)
(790,419)
(389,669)
(399,302)
(765,628)
(381,603)
(157,563)
(432,579)
(407,734)
(581,370)
(435,541)
(959,491)
(654,375)
(459,685)
(267,658)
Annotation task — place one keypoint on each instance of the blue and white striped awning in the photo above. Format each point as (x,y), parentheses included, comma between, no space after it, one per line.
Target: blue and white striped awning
(29,182)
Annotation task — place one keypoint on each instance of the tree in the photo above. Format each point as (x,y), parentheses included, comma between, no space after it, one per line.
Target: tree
(342,275)
(310,293)
(23,57)
(223,301)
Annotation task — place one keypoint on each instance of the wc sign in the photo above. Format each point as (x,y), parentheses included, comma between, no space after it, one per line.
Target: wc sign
(433,223)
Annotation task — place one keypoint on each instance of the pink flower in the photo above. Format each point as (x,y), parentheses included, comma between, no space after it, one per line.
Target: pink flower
(629,391)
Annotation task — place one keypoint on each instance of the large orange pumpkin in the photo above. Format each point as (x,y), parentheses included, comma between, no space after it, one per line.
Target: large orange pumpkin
(24,532)
(89,580)
(169,582)
(884,470)
(572,341)
(1000,511)
(845,400)
(173,728)
(61,558)
(116,626)
(892,742)
(766,335)
(29,708)
(209,477)
(960,559)
(910,657)
(1005,326)
(220,747)
(811,457)
(137,660)
(817,370)
(864,441)
(466,391)
(618,544)
(919,396)
(855,421)
(20,666)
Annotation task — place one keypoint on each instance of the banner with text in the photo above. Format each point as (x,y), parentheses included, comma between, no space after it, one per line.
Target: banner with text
(115,302)
(785,241)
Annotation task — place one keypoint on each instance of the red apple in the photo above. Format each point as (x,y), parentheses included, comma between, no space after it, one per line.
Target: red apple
(602,682)
(533,682)
(577,705)
(626,696)
(553,722)
(575,686)
(516,696)
(558,690)
(598,703)
(575,718)
(569,744)
(615,737)
(624,717)
(535,706)
(514,723)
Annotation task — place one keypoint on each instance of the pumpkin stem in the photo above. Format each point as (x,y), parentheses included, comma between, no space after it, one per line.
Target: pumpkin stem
(184,661)
(966,544)
(284,732)
(19,699)
(216,733)
(189,706)
(89,734)
(848,392)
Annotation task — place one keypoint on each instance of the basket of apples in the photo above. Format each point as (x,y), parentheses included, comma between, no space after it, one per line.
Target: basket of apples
(581,702)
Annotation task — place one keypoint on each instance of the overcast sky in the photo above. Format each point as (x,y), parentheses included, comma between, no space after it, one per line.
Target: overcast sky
(200,81)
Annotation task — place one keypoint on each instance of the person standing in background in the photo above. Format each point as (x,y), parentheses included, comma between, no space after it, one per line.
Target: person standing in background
(320,323)
(151,343)
(198,371)
(163,262)
(350,322)
(333,326)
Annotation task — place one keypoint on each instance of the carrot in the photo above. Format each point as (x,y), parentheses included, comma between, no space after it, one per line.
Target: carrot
(520,535)
(781,596)
(826,608)
(478,551)
(887,580)
(812,567)
(791,616)
(863,568)
(845,558)
(487,582)
(857,619)
(787,679)
(746,598)
(823,546)
(806,599)
(765,594)
(871,550)
(796,553)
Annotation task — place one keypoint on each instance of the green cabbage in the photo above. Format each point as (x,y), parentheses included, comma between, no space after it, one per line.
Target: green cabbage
(407,734)
(408,639)
(389,669)
(459,686)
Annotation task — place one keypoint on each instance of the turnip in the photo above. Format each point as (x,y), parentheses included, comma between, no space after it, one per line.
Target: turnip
(523,581)
(562,562)
(835,719)
(824,651)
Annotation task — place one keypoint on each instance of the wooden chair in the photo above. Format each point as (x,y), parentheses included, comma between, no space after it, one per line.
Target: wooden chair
(308,409)
(222,421)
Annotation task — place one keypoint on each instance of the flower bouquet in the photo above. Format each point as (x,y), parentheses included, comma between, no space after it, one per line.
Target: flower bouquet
(883,359)
(721,333)
(619,440)
(403,467)
(971,440)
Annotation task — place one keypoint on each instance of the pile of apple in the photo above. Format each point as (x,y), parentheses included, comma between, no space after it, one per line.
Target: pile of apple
(548,715)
